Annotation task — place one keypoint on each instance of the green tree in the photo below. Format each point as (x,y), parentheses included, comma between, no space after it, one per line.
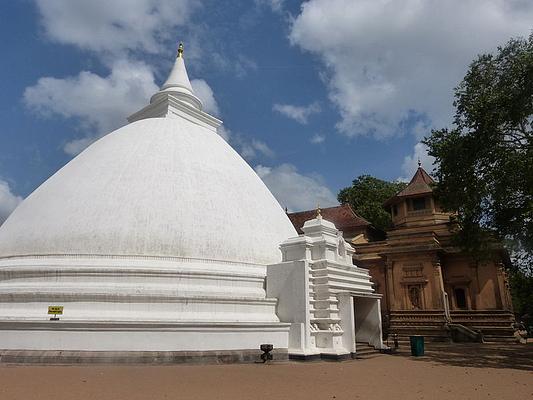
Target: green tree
(485,161)
(366,197)
(522,291)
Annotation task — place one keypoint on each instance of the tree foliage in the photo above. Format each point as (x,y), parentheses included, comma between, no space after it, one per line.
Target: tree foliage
(366,197)
(522,292)
(485,162)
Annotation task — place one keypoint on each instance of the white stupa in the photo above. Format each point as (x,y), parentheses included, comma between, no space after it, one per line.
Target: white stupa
(155,238)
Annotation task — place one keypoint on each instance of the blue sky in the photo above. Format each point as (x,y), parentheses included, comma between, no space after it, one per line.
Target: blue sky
(312,93)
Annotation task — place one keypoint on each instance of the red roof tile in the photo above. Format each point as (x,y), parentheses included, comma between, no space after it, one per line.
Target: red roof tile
(342,216)
(420,184)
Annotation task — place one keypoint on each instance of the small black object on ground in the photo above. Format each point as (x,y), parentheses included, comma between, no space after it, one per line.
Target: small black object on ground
(266,349)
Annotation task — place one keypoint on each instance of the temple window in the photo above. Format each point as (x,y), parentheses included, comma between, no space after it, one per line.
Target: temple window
(418,204)
(414,297)
(394,210)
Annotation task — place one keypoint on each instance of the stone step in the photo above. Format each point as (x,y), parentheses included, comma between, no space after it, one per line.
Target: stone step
(483,318)
(404,339)
(481,312)
(405,342)
(475,321)
(487,318)
(499,339)
(368,356)
(420,325)
(493,330)
(365,348)
(418,330)
(495,325)
(417,312)
(365,351)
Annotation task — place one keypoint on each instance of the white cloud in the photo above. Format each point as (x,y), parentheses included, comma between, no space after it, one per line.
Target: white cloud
(113,29)
(76,146)
(300,114)
(205,93)
(243,65)
(317,138)
(389,61)
(114,26)
(250,149)
(294,190)
(410,162)
(275,5)
(262,147)
(100,103)
(8,201)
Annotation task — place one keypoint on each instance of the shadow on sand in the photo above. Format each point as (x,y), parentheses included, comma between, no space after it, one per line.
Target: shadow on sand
(513,356)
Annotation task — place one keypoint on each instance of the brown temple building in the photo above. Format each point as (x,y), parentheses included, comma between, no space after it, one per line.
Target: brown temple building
(429,286)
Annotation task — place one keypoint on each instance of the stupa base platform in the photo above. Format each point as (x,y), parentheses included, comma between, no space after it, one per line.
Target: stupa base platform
(321,356)
(59,357)
(67,342)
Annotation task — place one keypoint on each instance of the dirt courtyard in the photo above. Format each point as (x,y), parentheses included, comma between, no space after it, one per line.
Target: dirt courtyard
(458,372)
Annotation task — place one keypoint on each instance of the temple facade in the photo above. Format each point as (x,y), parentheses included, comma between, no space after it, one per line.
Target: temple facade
(429,286)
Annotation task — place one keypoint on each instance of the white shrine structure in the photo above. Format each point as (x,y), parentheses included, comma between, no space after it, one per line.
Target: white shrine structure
(156,241)
(329,302)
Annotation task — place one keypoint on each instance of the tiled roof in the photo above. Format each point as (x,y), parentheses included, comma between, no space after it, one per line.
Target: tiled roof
(420,184)
(342,216)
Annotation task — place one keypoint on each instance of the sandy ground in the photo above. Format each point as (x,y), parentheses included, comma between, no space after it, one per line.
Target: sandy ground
(459,372)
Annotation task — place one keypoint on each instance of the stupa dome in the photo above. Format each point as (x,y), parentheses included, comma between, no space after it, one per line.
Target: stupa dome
(158,186)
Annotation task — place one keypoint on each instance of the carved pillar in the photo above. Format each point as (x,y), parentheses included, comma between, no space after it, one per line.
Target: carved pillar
(381,285)
(390,285)
(440,298)
(504,300)
(508,296)
(474,287)
(438,284)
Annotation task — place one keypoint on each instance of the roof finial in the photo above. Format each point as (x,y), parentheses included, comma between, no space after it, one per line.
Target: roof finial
(180,50)
(318,211)
(419,163)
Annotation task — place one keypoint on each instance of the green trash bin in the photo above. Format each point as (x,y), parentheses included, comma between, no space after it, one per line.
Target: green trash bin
(417,345)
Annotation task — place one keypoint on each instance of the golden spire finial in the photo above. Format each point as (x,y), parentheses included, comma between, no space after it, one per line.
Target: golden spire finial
(180,50)
(318,211)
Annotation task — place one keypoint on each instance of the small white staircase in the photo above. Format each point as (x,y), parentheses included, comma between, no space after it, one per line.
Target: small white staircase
(364,351)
